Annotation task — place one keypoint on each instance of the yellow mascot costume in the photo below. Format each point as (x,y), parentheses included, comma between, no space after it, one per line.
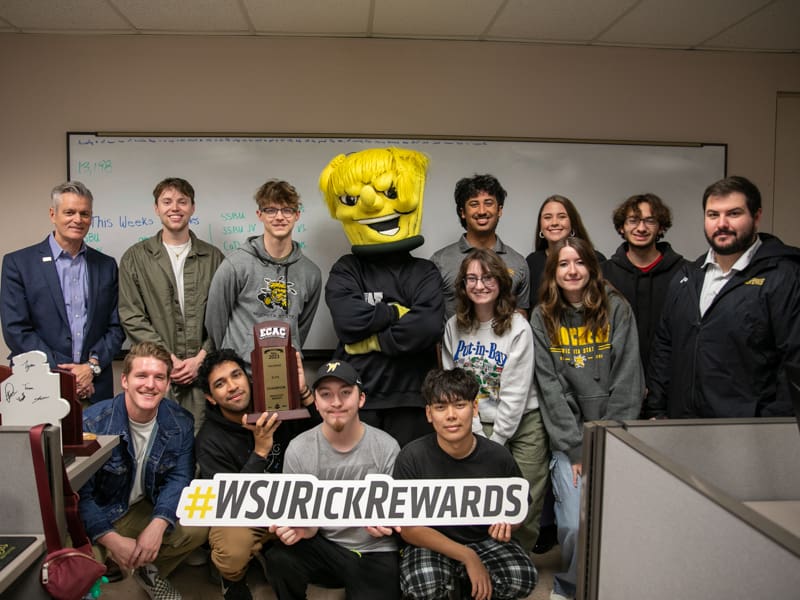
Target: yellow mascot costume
(386,305)
(377,195)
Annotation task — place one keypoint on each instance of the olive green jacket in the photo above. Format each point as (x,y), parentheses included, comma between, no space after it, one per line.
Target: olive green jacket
(148,302)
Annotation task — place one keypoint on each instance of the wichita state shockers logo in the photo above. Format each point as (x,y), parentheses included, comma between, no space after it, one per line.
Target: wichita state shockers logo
(275,293)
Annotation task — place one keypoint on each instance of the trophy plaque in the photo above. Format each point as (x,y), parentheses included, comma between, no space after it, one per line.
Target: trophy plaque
(35,394)
(275,381)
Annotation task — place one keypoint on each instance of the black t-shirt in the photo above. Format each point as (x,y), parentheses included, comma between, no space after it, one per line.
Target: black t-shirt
(424,459)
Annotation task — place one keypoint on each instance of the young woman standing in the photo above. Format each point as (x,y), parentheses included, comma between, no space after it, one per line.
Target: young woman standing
(489,338)
(588,369)
(558,220)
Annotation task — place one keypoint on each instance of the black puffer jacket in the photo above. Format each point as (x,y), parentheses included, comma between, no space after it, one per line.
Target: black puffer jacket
(731,362)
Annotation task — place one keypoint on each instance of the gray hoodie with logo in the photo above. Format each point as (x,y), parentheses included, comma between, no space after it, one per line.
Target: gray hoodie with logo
(587,378)
(250,286)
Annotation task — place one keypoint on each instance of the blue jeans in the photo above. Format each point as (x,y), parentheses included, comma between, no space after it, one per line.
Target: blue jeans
(567,508)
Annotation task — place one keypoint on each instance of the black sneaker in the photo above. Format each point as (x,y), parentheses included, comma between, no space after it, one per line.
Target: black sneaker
(548,537)
(236,590)
(113,571)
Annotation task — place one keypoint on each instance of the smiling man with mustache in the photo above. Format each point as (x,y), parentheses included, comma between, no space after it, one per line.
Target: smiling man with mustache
(731,321)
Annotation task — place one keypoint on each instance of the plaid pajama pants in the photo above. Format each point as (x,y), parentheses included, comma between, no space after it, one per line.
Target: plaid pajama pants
(428,575)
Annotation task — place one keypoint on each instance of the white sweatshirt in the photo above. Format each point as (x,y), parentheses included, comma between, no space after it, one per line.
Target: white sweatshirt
(504,366)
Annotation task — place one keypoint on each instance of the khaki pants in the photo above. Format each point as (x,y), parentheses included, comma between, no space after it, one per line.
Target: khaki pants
(191,398)
(530,448)
(233,547)
(176,544)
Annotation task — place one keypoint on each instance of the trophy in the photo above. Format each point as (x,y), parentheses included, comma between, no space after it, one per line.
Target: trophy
(35,394)
(274,364)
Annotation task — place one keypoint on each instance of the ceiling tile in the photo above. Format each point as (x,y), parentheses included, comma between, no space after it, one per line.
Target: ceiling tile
(62,15)
(677,23)
(745,25)
(557,20)
(434,19)
(776,27)
(195,16)
(331,17)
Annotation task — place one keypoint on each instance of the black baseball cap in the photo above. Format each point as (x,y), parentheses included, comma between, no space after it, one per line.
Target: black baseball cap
(340,370)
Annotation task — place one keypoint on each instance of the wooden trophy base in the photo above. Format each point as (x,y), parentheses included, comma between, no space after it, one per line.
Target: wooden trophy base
(283,415)
(86,448)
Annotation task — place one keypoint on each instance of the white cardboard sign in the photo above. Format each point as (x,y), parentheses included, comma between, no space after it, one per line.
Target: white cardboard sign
(32,394)
(259,500)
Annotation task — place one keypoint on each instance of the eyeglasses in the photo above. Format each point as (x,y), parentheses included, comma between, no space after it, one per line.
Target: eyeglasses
(487,280)
(648,221)
(272,212)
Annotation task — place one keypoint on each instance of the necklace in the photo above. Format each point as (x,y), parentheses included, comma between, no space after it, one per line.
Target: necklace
(472,447)
(179,250)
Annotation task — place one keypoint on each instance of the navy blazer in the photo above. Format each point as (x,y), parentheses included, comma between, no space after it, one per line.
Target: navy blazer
(34,316)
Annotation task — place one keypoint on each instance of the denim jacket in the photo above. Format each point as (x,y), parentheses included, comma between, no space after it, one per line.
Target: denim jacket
(169,465)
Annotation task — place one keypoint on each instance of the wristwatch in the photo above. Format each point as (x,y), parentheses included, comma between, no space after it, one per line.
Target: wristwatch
(95,367)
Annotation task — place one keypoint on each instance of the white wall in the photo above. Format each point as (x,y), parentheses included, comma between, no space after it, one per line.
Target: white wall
(53,84)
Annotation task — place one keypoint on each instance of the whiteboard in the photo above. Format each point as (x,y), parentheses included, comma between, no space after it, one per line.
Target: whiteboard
(121,170)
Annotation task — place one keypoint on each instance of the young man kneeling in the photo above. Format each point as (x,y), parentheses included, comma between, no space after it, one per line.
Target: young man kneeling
(438,557)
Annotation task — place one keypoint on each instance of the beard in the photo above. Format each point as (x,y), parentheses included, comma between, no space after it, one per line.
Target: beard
(741,242)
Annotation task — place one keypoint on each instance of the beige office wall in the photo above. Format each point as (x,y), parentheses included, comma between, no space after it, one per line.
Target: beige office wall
(52,84)
(787,169)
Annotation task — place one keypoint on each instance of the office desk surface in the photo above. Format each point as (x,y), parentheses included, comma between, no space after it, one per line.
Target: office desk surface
(84,466)
(22,561)
(785,513)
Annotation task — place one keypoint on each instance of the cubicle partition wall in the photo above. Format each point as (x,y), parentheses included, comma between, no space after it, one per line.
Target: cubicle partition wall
(691,509)
(20,515)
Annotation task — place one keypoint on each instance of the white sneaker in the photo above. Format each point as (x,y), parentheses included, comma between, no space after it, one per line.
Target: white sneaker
(156,586)
(555,596)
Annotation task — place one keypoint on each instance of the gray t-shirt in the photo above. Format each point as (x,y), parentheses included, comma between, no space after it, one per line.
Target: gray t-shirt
(448,260)
(311,454)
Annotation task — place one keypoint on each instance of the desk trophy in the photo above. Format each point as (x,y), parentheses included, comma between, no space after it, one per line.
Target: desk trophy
(34,394)
(275,382)
(76,442)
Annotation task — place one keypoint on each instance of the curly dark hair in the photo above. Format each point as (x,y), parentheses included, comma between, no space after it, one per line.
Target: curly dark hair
(469,187)
(212,360)
(660,211)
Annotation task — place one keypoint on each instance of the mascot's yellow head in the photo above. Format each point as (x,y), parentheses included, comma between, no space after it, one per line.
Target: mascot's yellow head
(377,195)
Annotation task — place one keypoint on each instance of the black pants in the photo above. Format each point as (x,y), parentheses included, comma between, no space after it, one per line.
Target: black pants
(365,576)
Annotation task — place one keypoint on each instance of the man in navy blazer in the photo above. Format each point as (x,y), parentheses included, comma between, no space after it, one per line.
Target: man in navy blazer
(60,296)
